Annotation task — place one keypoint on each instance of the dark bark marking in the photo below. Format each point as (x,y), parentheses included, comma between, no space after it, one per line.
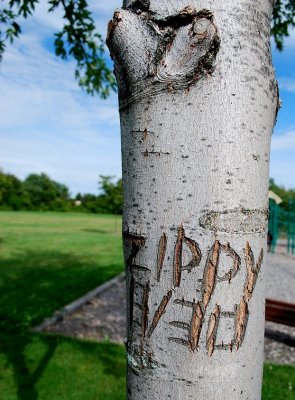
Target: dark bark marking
(136,267)
(161,255)
(180,324)
(236,263)
(159,312)
(224,346)
(145,133)
(242,313)
(183,342)
(182,17)
(196,253)
(196,326)
(184,303)
(154,152)
(214,323)
(278,101)
(139,6)
(177,261)
(138,277)
(145,308)
(137,242)
(139,324)
(227,314)
(242,310)
(136,330)
(137,305)
(209,277)
(212,329)
(142,306)
(131,306)
(252,271)
(178,257)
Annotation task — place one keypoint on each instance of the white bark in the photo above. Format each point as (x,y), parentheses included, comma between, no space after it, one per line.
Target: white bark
(197,103)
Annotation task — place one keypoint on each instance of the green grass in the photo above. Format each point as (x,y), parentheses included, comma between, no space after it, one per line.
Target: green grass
(46,261)
(278,382)
(50,259)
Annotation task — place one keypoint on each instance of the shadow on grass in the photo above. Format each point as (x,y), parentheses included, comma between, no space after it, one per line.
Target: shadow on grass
(96,231)
(110,354)
(33,286)
(13,346)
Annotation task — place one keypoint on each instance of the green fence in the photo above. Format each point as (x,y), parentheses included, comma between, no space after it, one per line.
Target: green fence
(281,225)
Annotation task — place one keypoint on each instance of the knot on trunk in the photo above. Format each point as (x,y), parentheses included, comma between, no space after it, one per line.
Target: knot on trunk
(153,55)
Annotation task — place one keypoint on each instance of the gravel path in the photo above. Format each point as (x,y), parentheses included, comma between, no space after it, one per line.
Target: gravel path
(280,285)
(280,276)
(103,316)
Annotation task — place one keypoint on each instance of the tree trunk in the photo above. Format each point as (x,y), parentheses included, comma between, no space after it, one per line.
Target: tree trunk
(198,101)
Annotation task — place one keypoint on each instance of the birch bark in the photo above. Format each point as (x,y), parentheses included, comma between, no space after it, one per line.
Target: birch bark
(198,102)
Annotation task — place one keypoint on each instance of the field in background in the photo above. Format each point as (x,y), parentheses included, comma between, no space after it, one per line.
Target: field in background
(50,259)
(46,261)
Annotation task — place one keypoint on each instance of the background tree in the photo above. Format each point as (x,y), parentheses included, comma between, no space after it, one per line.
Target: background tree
(285,194)
(12,194)
(283,20)
(40,192)
(109,200)
(78,40)
(45,194)
(111,197)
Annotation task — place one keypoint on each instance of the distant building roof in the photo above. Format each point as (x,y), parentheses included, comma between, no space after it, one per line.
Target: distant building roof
(275,197)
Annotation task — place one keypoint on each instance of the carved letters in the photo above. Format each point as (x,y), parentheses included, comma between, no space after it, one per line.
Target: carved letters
(143,322)
(177,263)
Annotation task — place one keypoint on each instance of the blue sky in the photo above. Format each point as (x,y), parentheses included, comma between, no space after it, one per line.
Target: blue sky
(49,125)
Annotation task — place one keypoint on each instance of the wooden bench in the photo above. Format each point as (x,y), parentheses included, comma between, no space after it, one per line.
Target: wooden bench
(280,312)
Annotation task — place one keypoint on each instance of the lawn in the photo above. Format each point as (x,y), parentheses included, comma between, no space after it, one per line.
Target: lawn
(46,261)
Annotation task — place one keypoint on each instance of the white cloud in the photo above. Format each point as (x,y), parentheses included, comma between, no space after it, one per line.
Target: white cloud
(282,170)
(290,40)
(43,88)
(284,142)
(53,21)
(47,123)
(105,7)
(287,84)
(282,160)
(77,163)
